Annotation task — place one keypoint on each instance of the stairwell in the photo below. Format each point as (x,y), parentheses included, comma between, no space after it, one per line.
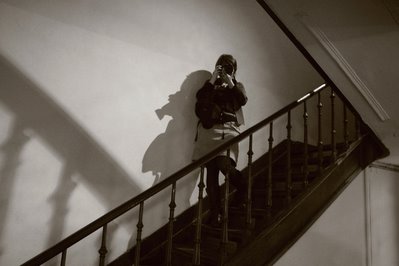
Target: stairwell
(289,188)
(274,228)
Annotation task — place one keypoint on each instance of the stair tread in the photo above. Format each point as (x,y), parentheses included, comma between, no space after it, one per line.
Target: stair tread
(210,250)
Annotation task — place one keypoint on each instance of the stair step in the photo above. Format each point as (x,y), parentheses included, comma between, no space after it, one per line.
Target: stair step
(297,186)
(235,234)
(297,162)
(210,251)
(295,175)
(299,147)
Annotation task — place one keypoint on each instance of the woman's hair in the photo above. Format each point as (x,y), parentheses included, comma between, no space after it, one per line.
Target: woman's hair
(226,59)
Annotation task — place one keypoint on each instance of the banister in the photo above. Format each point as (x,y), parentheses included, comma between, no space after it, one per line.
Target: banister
(135,201)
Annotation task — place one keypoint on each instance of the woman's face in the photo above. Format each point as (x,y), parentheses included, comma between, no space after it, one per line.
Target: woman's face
(227,68)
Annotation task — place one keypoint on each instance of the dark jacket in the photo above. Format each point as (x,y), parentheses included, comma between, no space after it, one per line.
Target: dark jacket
(230,100)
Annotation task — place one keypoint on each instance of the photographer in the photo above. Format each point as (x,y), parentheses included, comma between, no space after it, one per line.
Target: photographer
(228,96)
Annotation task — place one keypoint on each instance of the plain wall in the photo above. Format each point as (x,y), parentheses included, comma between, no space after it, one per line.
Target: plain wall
(360,228)
(96,106)
(384,216)
(338,237)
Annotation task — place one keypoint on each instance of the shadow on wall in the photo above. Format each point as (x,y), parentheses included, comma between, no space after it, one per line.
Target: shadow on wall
(11,149)
(36,112)
(172,150)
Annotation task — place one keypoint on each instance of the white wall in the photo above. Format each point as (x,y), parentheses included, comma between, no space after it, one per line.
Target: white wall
(338,236)
(360,228)
(384,214)
(96,105)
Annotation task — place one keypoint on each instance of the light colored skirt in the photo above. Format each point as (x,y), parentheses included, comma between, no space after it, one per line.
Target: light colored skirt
(209,139)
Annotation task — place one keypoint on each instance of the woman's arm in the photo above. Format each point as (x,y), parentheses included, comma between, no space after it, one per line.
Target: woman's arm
(239,94)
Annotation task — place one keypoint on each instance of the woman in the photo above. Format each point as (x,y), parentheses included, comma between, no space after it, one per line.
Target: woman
(230,96)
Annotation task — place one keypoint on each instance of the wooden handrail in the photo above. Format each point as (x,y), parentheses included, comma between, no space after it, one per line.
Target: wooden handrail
(128,205)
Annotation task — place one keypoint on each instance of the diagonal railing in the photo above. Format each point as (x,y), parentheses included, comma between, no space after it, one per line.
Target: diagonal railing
(139,201)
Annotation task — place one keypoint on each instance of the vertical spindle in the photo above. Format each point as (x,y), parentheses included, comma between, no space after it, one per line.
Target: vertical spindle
(139,232)
(172,206)
(103,249)
(225,217)
(319,134)
(197,240)
(269,173)
(289,170)
(346,132)
(357,128)
(63,257)
(305,141)
(333,130)
(249,191)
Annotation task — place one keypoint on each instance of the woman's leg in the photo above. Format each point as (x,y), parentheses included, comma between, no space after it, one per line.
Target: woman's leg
(226,165)
(213,190)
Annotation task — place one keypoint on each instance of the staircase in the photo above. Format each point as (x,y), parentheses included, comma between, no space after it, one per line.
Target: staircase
(288,188)
(274,227)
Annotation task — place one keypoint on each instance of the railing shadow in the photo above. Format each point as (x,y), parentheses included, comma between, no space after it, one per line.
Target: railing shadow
(11,149)
(80,154)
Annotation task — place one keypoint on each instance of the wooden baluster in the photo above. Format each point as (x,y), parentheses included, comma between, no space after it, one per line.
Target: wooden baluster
(269,200)
(346,132)
(63,257)
(319,134)
(249,191)
(139,232)
(225,217)
(172,207)
(103,249)
(305,141)
(289,170)
(357,128)
(197,240)
(333,130)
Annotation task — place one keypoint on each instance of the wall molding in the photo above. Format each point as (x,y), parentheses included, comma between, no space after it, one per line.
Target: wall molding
(385,166)
(393,8)
(344,65)
(368,219)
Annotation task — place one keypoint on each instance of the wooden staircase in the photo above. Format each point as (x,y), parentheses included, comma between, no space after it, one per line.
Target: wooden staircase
(289,187)
(274,228)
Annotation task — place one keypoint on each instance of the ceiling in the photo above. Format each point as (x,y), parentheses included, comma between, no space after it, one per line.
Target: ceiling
(357,43)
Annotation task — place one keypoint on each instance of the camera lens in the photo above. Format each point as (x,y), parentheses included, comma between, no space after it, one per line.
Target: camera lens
(228,69)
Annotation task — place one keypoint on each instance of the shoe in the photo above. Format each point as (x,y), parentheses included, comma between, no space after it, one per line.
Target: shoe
(239,200)
(215,220)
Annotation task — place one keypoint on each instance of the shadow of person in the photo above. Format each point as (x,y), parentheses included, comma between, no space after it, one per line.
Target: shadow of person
(172,150)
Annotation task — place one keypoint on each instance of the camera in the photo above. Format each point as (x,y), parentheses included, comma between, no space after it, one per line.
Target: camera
(228,69)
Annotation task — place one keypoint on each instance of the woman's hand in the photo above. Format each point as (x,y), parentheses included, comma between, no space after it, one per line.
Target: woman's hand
(227,78)
(220,73)
(216,74)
